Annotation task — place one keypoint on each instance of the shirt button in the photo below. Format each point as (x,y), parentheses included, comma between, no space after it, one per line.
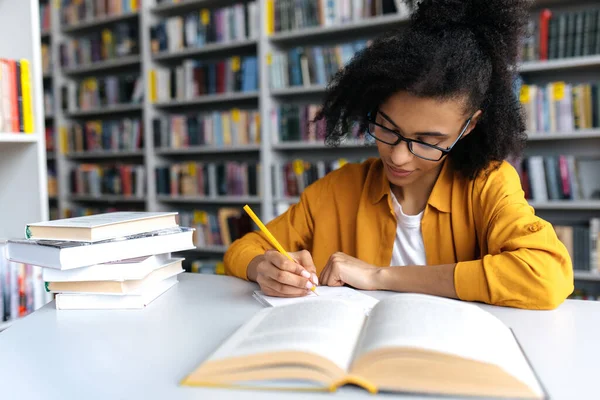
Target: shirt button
(534,227)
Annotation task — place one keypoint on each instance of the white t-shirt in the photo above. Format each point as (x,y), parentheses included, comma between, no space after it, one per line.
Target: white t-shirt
(408,245)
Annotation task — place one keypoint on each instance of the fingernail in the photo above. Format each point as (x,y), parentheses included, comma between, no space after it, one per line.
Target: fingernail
(309,285)
(315,279)
(305,274)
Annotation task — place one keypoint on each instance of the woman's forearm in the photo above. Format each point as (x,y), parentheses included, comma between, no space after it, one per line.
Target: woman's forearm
(436,280)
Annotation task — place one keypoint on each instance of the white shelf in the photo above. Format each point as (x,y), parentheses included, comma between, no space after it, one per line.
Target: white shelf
(109,198)
(579,134)
(103,66)
(82,155)
(120,109)
(206,49)
(248,148)
(587,205)
(18,138)
(182,6)
(586,276)
(99,22)
(209,200)
(209,99)
(320,145)
(381,23)
(560,64)
(299,90)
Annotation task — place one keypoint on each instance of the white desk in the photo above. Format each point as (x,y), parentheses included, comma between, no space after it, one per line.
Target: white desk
(143,354)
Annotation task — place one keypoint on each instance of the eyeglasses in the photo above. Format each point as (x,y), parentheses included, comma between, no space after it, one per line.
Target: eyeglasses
(420,149)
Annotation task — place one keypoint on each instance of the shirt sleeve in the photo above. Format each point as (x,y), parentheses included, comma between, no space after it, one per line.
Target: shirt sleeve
(293,230)
(526,265)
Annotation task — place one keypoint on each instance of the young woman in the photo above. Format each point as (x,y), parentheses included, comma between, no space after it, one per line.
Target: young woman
(439,206)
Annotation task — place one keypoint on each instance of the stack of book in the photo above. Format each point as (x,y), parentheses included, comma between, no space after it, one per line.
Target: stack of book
(106,261)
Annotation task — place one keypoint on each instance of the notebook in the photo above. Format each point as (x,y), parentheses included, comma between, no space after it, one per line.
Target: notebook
(350,295)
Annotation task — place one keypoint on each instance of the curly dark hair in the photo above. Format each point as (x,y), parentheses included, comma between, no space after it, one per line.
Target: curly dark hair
(451,49)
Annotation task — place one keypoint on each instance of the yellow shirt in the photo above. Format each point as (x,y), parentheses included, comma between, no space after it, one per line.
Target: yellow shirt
(505,254)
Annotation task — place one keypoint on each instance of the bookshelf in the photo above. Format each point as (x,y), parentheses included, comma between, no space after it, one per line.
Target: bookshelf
(23,193)
(270,153)
(23,197)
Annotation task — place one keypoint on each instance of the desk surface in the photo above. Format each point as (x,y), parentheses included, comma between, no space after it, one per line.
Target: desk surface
(143,354)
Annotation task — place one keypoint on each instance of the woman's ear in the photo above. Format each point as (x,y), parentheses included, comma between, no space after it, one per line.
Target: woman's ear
(473,123)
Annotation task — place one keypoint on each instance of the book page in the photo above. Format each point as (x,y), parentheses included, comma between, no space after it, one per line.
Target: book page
(350,295)
(328,328)
(447,326)
(92,221)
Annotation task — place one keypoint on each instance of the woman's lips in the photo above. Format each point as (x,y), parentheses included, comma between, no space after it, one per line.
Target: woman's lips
(401,173)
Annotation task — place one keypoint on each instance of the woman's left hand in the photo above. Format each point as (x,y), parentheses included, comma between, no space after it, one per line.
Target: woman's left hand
(342,269)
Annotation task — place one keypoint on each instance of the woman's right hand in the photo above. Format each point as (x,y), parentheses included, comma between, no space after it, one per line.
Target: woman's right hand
(280,277)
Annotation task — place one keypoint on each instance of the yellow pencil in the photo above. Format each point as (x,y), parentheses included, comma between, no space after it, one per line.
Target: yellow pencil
(271,238)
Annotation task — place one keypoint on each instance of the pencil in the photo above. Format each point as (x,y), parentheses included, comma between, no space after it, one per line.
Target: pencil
(271,238)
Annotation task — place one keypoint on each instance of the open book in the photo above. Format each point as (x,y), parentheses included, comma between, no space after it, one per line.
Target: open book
(409,343)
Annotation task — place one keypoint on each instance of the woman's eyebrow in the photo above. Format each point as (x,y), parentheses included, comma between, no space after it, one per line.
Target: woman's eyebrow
(430,134)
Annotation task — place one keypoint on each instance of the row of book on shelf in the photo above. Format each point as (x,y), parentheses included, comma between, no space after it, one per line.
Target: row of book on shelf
(16,105)
(583,243)
(21,288)
(561,107)
(46,59)
(206,26)
(289,15)
(218,128)
(45,16)
(97,180)
(209,179)
(543,178)
(49,134)
(313,65)
(195,78)
(561,34)
(96,92)
(296,175)
(217,228)
(52,181)
(73,12)
(561,177)
(106,261)
(104,135)
(111,43)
